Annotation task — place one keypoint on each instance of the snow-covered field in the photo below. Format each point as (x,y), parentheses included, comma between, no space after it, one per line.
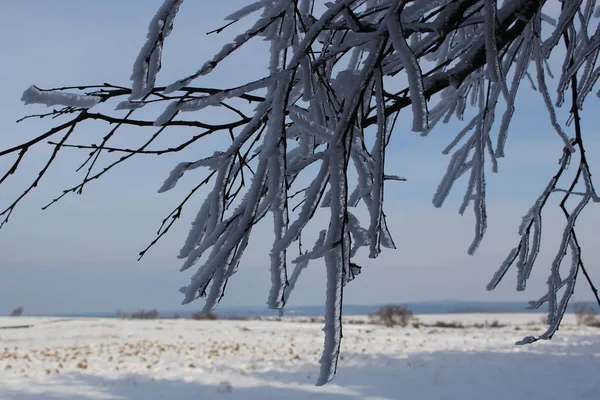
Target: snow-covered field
(76,359)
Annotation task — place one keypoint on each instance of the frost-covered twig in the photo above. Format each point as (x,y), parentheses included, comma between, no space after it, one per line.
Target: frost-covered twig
(528,248)
(325,111)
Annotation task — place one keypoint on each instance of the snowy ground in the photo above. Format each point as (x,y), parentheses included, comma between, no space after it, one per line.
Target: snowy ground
(78,359)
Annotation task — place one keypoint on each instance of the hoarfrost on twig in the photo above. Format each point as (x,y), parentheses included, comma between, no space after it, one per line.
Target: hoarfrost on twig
(313,142)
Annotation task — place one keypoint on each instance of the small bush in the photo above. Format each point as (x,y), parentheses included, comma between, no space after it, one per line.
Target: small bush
(234,317)
(594,324)
(452,324)
(585,315)
(494,324)
(204,316)
(17,312)
(143,314)
(355,322)
(392,315)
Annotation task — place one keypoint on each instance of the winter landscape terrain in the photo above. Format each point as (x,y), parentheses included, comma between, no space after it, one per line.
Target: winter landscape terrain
(106,358)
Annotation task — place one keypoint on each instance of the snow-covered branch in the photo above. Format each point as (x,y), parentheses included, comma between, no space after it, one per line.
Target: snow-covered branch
(339,75)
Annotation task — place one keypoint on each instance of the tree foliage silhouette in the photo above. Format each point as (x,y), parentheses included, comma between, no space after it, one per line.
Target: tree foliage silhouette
(339,75)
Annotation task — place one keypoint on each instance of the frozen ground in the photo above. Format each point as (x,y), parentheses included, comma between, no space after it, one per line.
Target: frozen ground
(79,359)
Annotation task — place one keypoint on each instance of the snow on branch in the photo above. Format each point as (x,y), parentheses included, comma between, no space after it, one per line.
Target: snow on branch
(310,137)
(148,63)
(34,95)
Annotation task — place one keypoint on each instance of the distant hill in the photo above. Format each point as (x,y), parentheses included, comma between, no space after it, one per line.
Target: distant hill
(425,307)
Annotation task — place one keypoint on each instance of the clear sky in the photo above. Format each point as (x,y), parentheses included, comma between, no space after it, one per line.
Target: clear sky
(80,255)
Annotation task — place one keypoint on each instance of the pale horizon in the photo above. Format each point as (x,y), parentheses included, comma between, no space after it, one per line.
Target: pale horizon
(81,253)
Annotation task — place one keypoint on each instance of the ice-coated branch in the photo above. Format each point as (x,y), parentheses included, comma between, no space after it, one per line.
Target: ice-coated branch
(305,143)
(34,95)
(148,63)
(531,228)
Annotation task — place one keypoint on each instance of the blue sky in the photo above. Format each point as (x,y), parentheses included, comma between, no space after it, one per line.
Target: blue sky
(80,255)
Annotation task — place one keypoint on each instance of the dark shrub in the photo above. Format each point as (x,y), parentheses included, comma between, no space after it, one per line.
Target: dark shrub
(143,314)
(392,315)
(204,316)
(585,315)
(17,312)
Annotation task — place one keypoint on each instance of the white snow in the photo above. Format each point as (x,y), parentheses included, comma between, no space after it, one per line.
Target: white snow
(244,11)
(33,95)
(76,359)
(148,63)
